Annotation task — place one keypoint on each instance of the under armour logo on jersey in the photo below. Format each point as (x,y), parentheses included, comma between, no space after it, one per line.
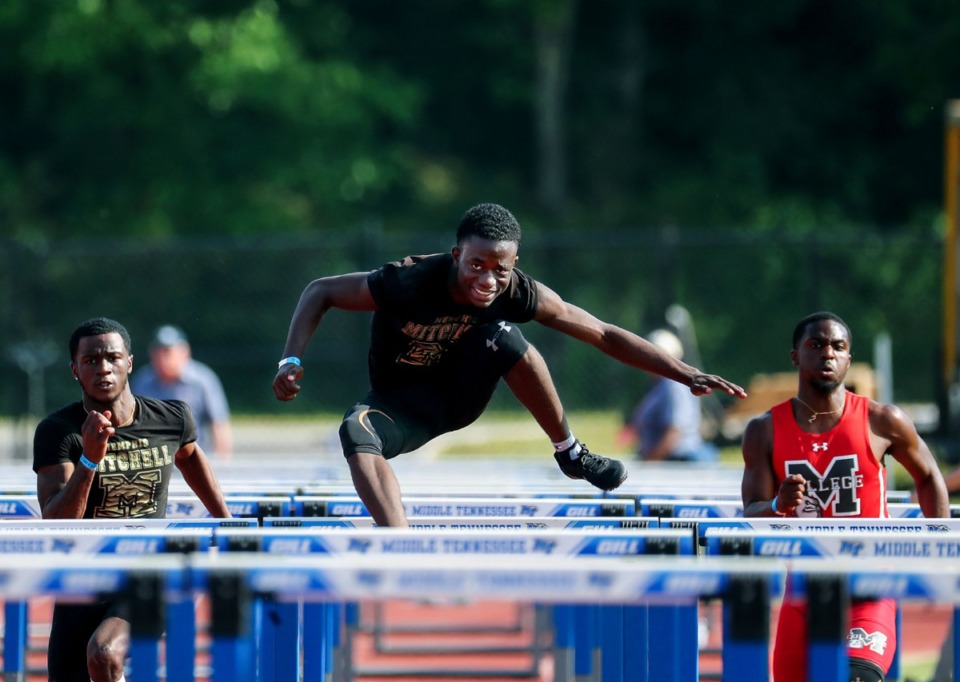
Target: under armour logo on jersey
(820,447)
(492,343)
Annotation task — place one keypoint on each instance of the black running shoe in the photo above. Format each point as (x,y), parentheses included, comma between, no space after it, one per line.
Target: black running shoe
(603,472)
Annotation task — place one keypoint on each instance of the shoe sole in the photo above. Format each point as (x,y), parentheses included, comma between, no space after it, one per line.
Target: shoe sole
(619,483)
(606,490)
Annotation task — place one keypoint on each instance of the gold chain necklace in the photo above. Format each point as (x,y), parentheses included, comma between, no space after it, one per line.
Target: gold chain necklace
(817,414)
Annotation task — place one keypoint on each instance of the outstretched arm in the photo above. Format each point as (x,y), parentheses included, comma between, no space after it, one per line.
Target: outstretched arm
(197,472)
(347,292)
(906,446)
(623,345)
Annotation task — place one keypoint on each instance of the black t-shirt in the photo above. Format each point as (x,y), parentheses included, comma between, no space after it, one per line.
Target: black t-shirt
(417,321)
(134,476)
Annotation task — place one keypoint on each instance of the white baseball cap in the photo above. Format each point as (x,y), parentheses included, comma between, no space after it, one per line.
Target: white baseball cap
(666,341)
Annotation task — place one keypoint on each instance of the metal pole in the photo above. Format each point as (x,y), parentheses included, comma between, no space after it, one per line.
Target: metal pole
(951,299)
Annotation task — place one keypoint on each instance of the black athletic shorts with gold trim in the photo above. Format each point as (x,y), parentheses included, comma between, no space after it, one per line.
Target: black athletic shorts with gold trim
(397,420)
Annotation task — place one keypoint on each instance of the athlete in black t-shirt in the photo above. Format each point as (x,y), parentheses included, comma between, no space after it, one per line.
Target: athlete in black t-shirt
(444,332)
(110,455)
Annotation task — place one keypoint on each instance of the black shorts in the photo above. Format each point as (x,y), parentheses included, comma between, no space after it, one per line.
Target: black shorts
(73,626)
(400,419)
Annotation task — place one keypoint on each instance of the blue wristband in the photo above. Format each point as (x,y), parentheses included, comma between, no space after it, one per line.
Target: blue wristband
(92,466)
(292,360)
(773,506)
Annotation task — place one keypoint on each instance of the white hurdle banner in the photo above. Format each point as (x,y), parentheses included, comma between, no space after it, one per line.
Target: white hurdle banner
(895,527)
(343,505)
(262,506)
(120,524)
(798,544)
(695,508)
(470,522)
(347,506)
(178,506)
(60,542)
(578,542)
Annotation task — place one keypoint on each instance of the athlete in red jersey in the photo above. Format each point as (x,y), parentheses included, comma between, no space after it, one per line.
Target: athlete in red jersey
(821,454)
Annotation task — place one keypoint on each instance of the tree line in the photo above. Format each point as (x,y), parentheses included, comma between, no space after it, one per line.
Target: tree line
(284,116)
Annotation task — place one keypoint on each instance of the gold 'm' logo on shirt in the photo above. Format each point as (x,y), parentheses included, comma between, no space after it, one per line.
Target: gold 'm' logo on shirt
(125,497)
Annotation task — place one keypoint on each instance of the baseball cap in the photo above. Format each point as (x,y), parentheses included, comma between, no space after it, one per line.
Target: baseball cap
(168,335)
(666,341)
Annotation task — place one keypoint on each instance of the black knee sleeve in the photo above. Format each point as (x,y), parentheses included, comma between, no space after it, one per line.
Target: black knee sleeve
(864,671)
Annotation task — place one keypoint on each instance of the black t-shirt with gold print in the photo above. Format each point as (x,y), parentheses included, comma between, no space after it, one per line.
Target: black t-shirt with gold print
(134,476)
(417,322)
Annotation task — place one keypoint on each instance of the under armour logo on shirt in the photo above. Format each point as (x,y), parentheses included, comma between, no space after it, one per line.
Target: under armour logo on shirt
(492,343)
(819,447)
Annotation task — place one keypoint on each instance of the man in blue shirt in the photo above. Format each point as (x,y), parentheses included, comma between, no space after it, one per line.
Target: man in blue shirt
(666,423)
(174,374)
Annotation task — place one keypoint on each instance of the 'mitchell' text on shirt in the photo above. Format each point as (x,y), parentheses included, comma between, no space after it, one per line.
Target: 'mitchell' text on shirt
(134,455)
(448,328)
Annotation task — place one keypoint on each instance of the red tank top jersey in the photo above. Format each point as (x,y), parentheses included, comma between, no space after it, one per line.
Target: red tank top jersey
(843,476)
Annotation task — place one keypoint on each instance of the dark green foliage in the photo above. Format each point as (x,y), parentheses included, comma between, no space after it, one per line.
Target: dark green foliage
(198,162)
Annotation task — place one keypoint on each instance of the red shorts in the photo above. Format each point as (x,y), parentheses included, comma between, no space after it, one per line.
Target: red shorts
(872,637)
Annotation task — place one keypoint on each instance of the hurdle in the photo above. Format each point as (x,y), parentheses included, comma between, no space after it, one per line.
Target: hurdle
(61,537)
(699,514)
(470,522)
(796,544)
(121,524)
(239,506)
(703,527)
(58,538)
(60,541)
(392,541)
(855,539)
(232,580)
(911,510)
(580,542)
(470,506)
(269,518)
(694,508)
(19,506)
(261,506)
(588,581)
(894,526)
(745,588)
(15,506)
